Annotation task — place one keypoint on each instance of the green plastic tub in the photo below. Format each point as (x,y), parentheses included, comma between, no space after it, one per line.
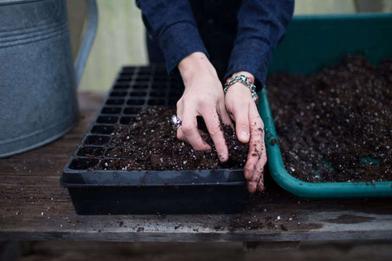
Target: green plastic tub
(311,43)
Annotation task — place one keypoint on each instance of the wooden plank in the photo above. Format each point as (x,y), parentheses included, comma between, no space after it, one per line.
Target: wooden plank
(47,250)
(33,206)
(10,251)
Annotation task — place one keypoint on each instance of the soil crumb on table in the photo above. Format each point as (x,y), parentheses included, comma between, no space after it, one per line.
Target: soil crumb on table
(336,125)
(150,143)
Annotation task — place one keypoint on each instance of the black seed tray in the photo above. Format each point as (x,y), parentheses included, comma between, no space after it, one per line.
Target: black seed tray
(94,190)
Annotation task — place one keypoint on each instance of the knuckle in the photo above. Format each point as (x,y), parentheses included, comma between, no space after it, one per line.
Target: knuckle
(256,140)
(215,132)
(179,102)
(257,131)
(187,131)
(257,123)
(259,170)
(249,170)
(203,102)
(240,108)
(243,124)
(229,106)
(179,135)
(255,179)
(206,104)
(258,127)
(198,146)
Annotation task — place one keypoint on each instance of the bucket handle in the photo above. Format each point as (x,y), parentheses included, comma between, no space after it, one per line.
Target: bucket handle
(87,39)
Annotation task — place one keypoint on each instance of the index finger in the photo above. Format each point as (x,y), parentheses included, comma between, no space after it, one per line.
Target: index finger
(188,131)
(213,124)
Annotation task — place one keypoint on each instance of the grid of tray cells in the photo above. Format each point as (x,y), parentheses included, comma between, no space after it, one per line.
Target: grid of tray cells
(134,89)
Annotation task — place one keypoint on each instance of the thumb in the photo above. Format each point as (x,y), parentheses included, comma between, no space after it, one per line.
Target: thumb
(240,112)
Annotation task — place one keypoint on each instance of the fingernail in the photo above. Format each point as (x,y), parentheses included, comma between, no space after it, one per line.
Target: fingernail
(222,158)
(244,135)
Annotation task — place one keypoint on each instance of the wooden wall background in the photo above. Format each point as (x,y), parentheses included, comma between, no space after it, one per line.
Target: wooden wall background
(120,38)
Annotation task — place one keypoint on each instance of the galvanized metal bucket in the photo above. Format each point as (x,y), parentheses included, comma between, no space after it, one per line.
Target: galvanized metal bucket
(38,81)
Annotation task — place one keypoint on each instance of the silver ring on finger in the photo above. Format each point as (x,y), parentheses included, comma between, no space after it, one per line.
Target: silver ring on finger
(176,121)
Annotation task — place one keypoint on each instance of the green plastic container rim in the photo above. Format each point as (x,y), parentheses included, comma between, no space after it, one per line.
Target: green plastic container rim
(307,189)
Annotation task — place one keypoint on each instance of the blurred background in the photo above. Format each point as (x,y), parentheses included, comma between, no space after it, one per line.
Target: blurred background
(120,37)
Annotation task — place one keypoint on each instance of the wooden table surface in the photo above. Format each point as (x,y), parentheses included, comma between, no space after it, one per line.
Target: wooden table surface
(33,206)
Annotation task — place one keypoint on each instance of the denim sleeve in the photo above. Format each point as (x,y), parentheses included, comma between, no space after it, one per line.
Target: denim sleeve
(261,25)
(171,22)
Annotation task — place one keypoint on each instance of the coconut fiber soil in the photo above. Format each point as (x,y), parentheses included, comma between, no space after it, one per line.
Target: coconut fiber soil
(150,143)
(336,125)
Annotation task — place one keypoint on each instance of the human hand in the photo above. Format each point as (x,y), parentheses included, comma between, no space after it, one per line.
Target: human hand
(203,96)
(249,129)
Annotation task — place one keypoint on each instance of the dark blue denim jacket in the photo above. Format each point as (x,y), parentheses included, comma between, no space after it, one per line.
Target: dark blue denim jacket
(260,25)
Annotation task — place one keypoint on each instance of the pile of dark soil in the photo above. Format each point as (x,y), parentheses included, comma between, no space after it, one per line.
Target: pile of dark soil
(336,125)
(150,143)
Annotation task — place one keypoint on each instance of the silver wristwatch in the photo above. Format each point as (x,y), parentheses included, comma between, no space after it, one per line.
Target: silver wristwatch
(244,80)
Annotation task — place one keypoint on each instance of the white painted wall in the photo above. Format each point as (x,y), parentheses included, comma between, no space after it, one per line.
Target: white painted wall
(119,41)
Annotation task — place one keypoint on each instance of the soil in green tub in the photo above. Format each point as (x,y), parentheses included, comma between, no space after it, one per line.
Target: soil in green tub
(336,125)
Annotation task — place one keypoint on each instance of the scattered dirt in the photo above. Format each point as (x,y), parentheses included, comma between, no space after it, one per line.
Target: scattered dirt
(263,212)
(150,143)
(336,125)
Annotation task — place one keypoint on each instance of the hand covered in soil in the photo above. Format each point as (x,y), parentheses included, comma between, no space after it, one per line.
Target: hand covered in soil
(203,96)
(249,129)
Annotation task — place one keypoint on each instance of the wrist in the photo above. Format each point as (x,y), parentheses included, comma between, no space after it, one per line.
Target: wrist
(194,63)
(247,74)
(244,79)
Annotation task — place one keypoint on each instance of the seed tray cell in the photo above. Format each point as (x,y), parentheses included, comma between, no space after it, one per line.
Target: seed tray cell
(107,119)
(95,189)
